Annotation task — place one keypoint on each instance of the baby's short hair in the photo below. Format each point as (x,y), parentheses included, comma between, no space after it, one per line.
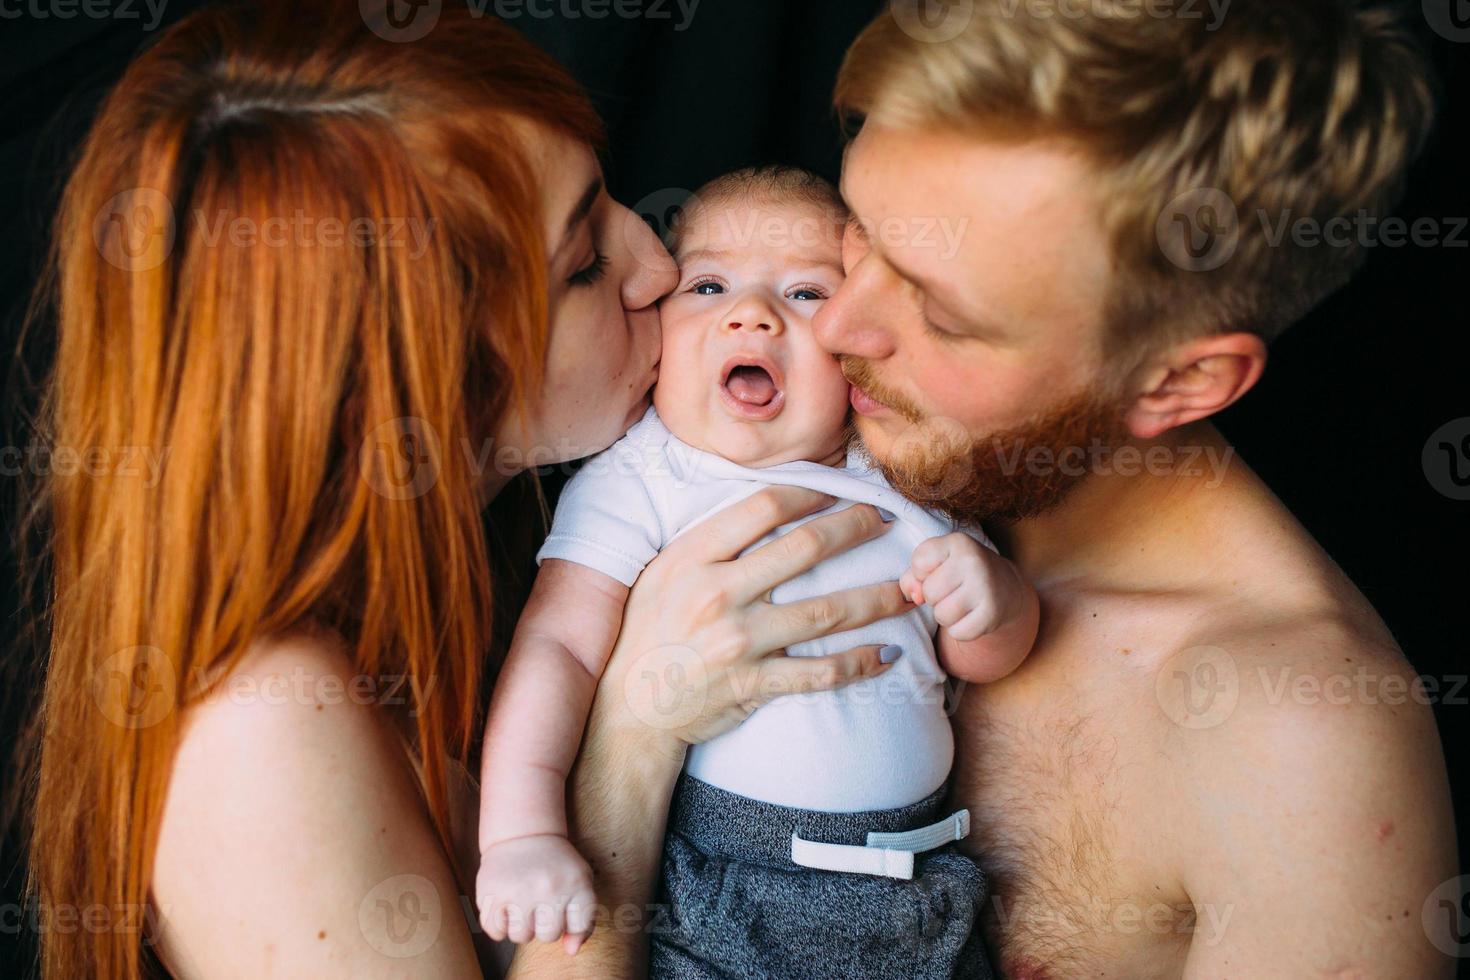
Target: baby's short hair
(774,183)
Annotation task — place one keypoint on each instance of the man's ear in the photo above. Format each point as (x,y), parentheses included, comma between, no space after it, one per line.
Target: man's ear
(1194,379)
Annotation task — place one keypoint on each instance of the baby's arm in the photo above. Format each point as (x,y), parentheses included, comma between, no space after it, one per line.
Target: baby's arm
(537,714)
(987,612)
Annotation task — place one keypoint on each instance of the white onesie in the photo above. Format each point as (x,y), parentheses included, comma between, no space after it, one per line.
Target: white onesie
(877,744)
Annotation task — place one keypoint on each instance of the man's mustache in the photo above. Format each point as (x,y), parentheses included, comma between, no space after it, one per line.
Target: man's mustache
(859,374)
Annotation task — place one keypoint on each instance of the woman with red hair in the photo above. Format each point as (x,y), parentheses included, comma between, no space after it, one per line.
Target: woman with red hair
(346,286)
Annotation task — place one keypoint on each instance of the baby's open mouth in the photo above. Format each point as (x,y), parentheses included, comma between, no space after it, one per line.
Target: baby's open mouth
(751,387)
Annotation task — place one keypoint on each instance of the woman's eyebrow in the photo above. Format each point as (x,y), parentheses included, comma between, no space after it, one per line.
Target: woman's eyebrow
(582,209)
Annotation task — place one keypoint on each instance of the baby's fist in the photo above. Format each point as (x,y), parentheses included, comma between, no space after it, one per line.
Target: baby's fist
(962,581)
(535,887)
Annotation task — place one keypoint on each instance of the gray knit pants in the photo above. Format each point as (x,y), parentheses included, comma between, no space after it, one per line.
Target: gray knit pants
(733,904)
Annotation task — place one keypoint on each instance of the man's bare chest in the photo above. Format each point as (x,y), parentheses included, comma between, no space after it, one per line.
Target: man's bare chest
(1062,774)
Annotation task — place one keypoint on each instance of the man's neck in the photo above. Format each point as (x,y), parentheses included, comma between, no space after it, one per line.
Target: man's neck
(1134,520)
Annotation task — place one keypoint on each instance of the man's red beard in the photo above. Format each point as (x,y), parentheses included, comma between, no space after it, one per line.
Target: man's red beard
(1004,476)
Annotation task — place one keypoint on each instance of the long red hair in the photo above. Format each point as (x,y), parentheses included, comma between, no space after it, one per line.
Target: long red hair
(230,297)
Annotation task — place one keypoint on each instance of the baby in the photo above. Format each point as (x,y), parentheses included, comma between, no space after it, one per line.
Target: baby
(794,841)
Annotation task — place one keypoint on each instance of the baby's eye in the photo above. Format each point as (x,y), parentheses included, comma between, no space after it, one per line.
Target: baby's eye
(707,288)
(805,293)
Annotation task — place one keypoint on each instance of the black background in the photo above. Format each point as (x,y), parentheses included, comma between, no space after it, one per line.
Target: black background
(1336,428)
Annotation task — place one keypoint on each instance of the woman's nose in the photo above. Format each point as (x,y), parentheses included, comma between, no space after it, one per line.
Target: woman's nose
(652,272)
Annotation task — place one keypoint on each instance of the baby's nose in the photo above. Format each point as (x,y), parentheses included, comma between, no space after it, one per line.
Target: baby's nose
(758,324)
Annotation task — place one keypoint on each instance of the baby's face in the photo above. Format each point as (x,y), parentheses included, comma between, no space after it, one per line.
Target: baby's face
(741,374)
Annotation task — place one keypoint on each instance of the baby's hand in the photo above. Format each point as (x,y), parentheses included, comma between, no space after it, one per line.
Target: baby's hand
(964,582)
(535,887)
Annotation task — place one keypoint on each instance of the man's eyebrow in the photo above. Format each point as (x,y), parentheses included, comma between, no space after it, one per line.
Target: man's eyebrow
(583,207)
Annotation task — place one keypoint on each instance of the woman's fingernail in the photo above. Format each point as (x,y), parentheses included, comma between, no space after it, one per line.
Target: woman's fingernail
(887,515)
(890,653)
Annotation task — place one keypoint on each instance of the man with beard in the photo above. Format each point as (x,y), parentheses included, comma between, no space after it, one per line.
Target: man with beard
(1062,262)
(1149,798)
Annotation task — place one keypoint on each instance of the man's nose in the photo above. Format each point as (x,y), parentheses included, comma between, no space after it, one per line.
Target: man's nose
(852,320)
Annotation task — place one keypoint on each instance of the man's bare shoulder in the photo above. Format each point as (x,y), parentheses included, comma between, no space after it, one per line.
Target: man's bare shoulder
(1313,789)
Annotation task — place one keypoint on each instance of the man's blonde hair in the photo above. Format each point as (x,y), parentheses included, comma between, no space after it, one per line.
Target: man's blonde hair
(1279,110)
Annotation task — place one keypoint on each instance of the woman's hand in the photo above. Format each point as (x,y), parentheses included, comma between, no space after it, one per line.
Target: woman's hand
(702,646)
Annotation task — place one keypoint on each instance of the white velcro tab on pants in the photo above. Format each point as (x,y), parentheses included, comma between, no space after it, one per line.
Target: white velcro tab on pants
(884,854)
(954,827)
(852,857)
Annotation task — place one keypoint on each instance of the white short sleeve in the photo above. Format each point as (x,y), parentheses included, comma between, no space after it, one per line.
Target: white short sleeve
(606,518)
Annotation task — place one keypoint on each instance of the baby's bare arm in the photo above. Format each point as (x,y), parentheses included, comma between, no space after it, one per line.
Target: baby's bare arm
(542,697)
(987,612)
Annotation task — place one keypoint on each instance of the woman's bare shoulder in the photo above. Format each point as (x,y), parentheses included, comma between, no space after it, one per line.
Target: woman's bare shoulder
(293,839)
